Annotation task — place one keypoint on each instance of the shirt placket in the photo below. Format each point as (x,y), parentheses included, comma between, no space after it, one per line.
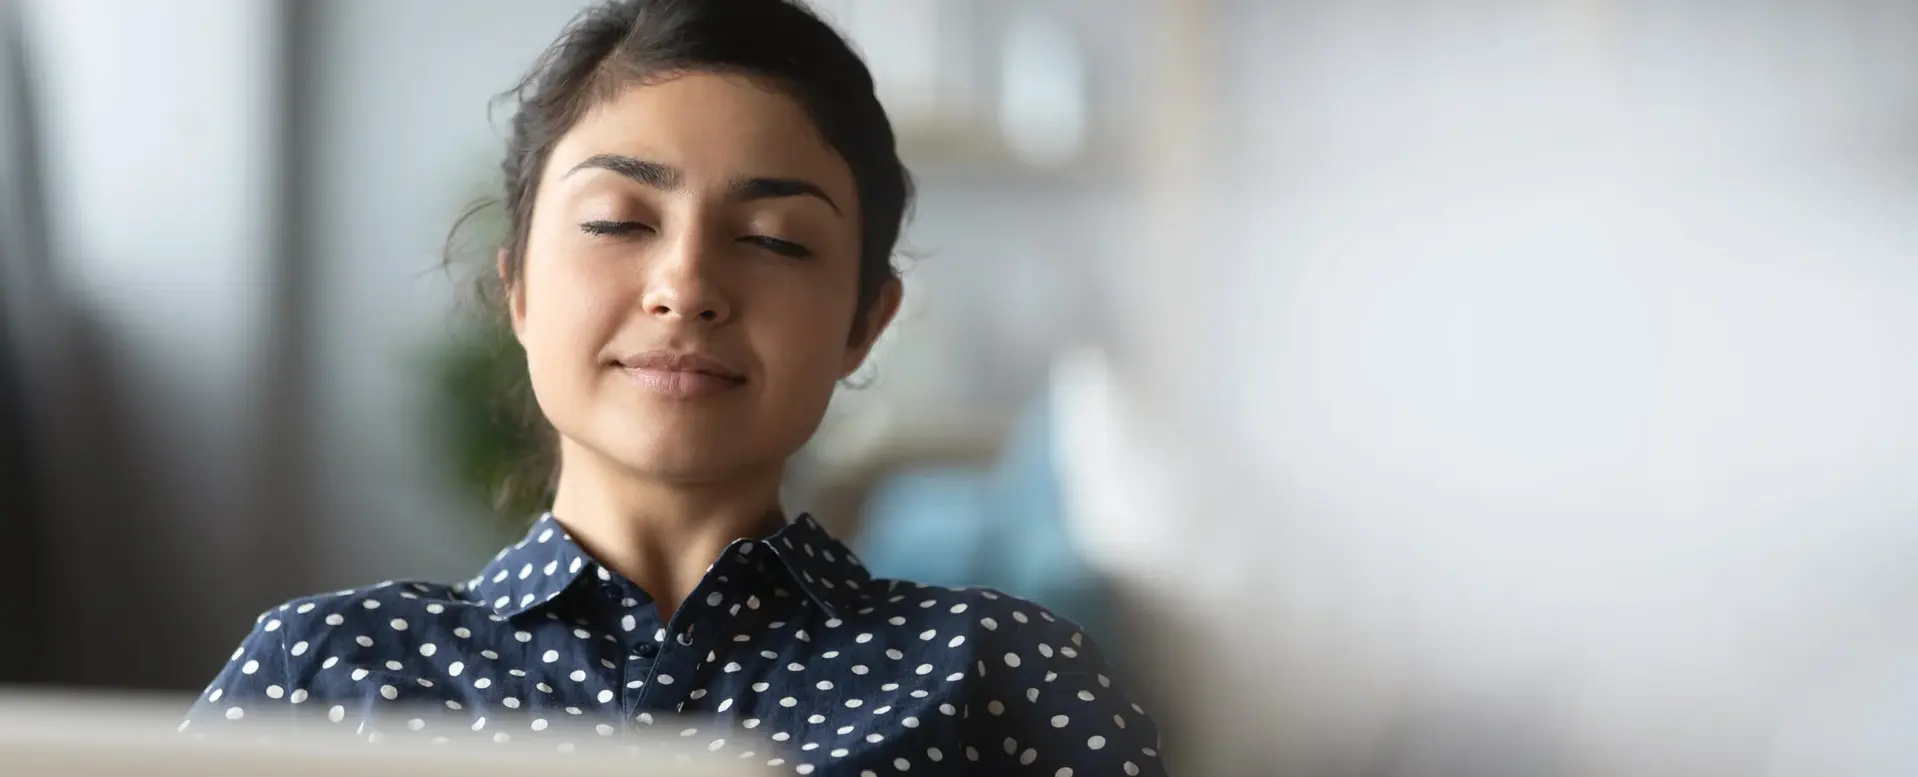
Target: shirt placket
(688,645)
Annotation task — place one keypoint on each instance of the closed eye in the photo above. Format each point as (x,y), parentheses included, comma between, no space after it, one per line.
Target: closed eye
(611,228)
(782,247)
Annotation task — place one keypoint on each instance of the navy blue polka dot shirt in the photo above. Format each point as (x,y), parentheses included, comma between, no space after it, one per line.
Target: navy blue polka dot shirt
(788,653)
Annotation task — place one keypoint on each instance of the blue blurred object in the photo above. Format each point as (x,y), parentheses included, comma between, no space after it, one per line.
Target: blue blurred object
(1002,528)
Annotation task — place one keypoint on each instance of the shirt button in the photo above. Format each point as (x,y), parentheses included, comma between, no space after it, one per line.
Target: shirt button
(646,650)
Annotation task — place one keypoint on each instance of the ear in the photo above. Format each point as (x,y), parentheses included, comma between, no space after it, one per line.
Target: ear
(515,290)
(884,307)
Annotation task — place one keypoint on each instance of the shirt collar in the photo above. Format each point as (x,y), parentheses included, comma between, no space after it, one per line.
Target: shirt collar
(821,565)
(542,565)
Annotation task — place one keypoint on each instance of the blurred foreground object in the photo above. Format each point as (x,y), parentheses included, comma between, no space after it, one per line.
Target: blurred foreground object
(44,737)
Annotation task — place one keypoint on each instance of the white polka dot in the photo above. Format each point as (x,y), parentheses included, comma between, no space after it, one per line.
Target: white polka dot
(901,764)
(299,649)
(395,666)
(510,702)
(956,641)
(1028,756)
(760,687)
(522,636)
(859,669)
(463,632)
(782,736)
(1085,696)
(452,705)
(725,705)
(732,666)
(298,697)
(889,687)
(816,719)
(910,723)
(1132,769)
(305,608)
(990,624)
(1012,659)
(454,669)
(365,641)
(718,743)
(839,752)
(398,624)
(370,604)
(882,710)
(359,674)
(502,737)
(714,599)
(415,724)
(1064,771)
(862,639)
(854,703)
(665,679)
(235,713)
(789,702)
(479,723)
(250,667)
(897,620)
(934,754)
(751,723)
(336,714)
(274,691)
(1019,616)
(628,623)
(955,677)
(429,649)
(1096,742)
(996,708)
(605,696)
(894,654)
(550,656)
(1060,721)
(603,730)
(1032,694)
(924,669)
(824,685)
(389,692)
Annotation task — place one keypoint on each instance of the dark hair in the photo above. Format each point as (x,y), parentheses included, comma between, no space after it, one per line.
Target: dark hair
(617,44)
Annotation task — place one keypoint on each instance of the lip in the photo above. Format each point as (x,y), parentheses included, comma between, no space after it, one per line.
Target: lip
(680,374)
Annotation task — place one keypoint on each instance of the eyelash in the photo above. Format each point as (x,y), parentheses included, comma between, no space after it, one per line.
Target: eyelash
(785,248)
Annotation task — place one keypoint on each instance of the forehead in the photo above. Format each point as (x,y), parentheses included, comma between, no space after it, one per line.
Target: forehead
(715,128)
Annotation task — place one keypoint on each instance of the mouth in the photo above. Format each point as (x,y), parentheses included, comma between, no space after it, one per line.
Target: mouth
(680,374)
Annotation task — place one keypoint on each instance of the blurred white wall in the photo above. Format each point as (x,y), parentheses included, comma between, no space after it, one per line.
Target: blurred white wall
(1529,390)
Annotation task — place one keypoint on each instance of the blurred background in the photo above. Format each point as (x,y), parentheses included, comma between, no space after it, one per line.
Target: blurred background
(1396,388)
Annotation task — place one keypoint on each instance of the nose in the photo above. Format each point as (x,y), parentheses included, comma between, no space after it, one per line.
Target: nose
(681,283)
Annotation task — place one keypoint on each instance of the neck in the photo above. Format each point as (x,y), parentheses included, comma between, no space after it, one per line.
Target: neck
(662,535)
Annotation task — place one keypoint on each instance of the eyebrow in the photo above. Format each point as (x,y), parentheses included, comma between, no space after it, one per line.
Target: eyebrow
(667,178)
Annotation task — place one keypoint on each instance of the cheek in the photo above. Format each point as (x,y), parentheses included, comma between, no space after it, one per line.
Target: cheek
(804,334)
(569,315)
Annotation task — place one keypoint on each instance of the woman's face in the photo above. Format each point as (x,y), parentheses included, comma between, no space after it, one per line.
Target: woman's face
(690,280)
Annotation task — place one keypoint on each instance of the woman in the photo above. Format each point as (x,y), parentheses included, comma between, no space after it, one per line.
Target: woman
(704,198)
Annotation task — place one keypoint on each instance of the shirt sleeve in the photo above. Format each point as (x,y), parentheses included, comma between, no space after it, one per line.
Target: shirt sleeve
(1049,706)
(253,688)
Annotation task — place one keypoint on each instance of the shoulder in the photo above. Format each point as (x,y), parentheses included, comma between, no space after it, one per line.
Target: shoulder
(305,616)
(990,618)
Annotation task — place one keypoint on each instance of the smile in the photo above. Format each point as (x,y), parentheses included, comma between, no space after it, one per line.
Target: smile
(680,375)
